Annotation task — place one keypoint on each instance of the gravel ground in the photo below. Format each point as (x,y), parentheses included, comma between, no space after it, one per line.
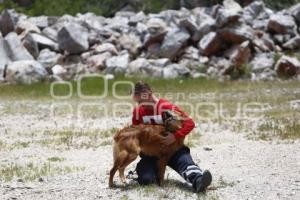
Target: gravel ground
(241,168)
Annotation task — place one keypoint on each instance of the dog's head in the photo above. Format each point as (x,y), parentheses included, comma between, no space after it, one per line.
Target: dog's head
(172,120)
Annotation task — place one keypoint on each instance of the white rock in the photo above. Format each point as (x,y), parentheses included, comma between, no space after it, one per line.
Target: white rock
(287,66)
(17,50)
(58,70)
(173,42)
(106,47)
(25,72)
(48,58)
(117,64)
(24,27)
(73,38)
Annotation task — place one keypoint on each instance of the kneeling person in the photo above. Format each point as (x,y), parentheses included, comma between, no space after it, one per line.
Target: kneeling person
(149,111)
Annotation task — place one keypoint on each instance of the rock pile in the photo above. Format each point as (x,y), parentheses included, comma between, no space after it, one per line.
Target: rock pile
(224,41)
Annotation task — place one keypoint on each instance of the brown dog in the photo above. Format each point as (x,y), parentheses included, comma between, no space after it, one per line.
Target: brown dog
(129,142)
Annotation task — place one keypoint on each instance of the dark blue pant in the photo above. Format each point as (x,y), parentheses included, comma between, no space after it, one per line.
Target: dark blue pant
(181,162)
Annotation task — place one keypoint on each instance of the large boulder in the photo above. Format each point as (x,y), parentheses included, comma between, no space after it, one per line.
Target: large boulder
(287,66)
(281,39)
(8,21)
(117,64)
(148,68)
(210,44)
(44,42)
(73,38)
(4,57)
(137,66)
(191,25)
(206,24)
(24,27)
(232,7)
(191,53)
(31,46)
(106,47)
(174,71)
(255,11)
(58,71)
(292,44)
(282,24)
(25,72)
(96,63)
(218,66)
(118,24)
(156,31)
(263,42)
(229,14)
(131,43)
(237,34)
(50,33)
(262,61)
(49,58)
(16,50)
(173,42)
(241,55)
(42,21)
(137,18)
(295,10)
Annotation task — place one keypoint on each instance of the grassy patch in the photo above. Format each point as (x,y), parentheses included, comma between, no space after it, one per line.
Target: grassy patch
(95,86)
(77,139)
(56,159)
(171,190)
(20,144)
(222,183)
(192,139)
(282,128)
(225,103)
(31,171)
(16,145)
(3,145)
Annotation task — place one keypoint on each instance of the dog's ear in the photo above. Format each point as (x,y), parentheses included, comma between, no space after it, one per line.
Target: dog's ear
(166,115)
(172,120)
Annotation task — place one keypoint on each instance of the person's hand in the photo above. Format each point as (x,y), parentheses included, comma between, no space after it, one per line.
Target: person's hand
(169,139)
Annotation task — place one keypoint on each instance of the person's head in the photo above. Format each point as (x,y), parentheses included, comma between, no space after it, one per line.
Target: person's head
(142,93)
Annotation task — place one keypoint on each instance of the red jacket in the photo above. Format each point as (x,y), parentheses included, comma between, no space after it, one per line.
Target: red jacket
(152,115)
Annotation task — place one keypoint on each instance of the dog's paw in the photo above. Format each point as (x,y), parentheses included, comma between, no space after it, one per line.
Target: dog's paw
(124,183)
(111,185)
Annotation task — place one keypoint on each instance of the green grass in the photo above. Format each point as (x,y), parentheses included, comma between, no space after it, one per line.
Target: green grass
(56,159)
(32,171)
(228,97)
(77,139)
(94,86)
(109,7)
(192,140)
(282,128)
(170,190)
(2,145)
(222,183)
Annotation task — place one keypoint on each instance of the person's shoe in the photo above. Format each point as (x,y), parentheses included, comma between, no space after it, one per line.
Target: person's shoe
(132,175)
(203,182)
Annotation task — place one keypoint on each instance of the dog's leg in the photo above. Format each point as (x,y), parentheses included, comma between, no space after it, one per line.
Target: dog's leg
(161,170)
(119,160)
(129,159)
(115,166)
(112,173)
(122,176)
